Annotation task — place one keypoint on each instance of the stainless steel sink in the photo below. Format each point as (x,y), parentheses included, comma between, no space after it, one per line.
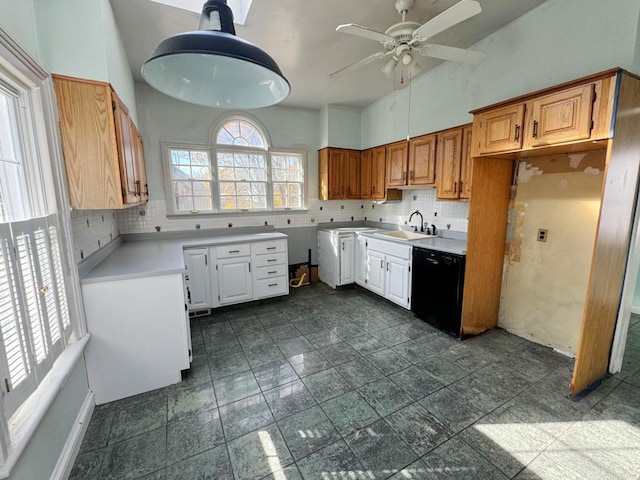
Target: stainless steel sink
(404,235)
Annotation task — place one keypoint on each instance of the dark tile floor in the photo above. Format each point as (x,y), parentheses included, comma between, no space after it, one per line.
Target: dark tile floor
(344,385)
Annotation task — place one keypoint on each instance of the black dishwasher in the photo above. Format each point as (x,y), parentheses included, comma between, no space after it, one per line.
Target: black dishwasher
(437,285)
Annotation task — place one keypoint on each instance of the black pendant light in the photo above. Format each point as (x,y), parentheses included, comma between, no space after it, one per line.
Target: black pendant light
(214,68)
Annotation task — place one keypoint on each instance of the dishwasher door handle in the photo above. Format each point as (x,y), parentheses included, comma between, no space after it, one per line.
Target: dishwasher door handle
(432,261)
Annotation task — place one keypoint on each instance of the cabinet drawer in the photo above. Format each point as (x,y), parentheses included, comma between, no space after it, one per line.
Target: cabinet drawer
(273,246)
(229,251)
(272,286)
(271,259)
(390,248)
(271,271)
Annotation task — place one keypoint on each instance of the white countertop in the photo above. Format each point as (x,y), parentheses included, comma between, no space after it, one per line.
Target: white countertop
(442,244)
(147,258)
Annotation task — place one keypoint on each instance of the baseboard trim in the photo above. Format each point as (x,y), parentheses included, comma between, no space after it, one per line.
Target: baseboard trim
(74,440)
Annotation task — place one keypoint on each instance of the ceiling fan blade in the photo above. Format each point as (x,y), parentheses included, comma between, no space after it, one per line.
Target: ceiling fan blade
(450,17)
(364,32)
(453,54)
(360,63)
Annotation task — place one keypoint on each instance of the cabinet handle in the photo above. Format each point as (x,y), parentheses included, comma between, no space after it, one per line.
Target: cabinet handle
(410,174)
(455,187)
(138,190)
(381,263)
(404,176)
(271,248)
(461,186)
(206,262)
(272,260)
(517,135)
(271,273)
(234,251)
(249,266)
(273,284)
(387,266)
(342,245)
(534,134)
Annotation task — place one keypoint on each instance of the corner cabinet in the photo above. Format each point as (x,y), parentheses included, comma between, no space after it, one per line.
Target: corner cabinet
(103,150)
(339,174)
(198,281)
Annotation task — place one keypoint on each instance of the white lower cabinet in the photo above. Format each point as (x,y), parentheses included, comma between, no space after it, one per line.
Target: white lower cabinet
(234,280)
(347,259)
(388,270)
(196,261)
(139,335)
(235,273)
(361,260)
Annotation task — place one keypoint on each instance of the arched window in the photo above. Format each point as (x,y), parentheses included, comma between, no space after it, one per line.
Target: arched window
(238,172)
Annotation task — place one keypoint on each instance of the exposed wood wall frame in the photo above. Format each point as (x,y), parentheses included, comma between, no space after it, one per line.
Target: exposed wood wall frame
(612,240)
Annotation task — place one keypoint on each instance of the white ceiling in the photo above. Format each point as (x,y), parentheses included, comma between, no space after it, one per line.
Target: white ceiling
(300,35)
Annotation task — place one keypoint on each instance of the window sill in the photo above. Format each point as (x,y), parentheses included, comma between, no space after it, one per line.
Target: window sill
(24,423)
(235,213)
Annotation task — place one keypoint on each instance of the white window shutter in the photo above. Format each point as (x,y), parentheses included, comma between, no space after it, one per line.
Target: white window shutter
(58,271)
(18,375)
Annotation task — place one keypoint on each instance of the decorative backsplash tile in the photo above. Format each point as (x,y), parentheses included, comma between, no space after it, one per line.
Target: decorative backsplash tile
(92,230)
(149,217)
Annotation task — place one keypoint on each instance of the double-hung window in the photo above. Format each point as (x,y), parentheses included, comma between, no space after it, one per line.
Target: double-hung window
(34,317)
(237,172)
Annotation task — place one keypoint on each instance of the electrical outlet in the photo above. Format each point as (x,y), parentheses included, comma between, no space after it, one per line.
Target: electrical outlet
(542,234)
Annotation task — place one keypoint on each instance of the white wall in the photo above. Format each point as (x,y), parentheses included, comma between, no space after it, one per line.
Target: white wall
(559,41)
(344,127)
(17,18)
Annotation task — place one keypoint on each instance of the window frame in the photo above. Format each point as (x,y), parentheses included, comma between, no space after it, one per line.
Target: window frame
(213,149)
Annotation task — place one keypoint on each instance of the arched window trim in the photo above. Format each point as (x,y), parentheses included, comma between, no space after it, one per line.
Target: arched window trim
(243,117)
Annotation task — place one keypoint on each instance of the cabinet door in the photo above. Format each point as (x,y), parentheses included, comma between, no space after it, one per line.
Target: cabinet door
(448,164)
(336,174)
(561,117)
(397,277)
(378,173)
(366,181)
(422,160)
(375,272)
(88,143)
(361,261)
(197,277)
(352,174)
(126,152)
(500,130)
(397,156)
(465,164)
(234,280)
(347,260)
(141,172)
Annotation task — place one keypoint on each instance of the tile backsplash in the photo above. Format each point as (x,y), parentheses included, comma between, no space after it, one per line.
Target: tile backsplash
(92,230)
(443,214)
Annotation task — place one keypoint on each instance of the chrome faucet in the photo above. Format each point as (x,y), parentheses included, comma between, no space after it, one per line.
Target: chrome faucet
(421,221)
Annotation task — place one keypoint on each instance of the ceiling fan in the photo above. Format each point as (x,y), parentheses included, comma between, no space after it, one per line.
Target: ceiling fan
(404,41)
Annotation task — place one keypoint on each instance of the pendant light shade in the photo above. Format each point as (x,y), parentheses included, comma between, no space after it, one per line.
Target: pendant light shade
(214,68)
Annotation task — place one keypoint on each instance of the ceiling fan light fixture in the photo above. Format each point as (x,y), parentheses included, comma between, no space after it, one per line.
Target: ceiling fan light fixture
(415,69)
(389,67)
(406,59)
(214,68)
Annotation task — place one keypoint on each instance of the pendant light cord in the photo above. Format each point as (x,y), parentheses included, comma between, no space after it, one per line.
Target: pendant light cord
(409,109)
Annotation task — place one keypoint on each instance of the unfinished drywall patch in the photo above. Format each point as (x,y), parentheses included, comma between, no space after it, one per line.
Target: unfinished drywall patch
(546,282)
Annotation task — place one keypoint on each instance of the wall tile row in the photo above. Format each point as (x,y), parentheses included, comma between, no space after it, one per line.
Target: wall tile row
(92,230)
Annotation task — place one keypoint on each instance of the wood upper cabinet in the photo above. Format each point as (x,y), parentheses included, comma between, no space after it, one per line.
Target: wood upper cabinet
(378,173)
(448,164)
(352,174)
(339,171)
(499,130)
(397,158)
(422,160)
(564,116)
(466,163)
(141,171)
(99,145)
(366,183)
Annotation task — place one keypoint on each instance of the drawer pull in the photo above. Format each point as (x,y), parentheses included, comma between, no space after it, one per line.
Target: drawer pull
(271,248)
(271,273)
(273,284)
(234,251)
(272,260)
